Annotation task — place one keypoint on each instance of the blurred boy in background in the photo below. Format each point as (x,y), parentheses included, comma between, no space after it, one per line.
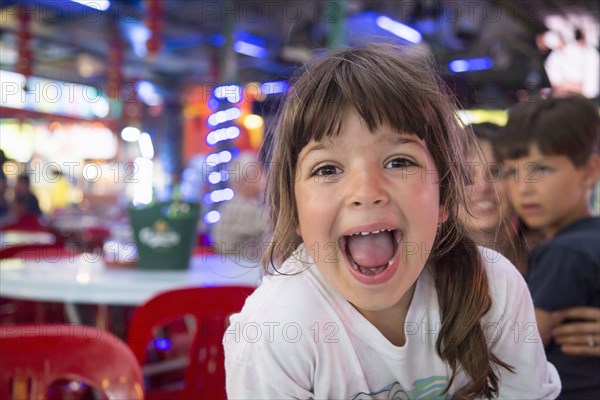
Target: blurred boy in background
(550,151)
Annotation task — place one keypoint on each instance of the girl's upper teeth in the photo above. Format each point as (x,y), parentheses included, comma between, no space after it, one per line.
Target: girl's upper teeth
(371,233)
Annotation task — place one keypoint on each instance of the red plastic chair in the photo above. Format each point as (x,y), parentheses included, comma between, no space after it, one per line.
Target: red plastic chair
(204,376)
(94,236)
(36,356)
(27,222)
(37,252)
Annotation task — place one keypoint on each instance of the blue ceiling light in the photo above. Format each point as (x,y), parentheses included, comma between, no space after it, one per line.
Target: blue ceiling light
(369,26)
(231,93)
(471,64)
(148,93)
(100,5)
(274,87)
(215,159)
(399,29)
(217,39)
(222,116)
(250,49)
(222,134)
(250,45)
(138,34)
(212,216)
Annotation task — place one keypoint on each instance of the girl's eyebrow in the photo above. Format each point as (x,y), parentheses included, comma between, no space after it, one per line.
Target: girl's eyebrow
(323,145)
(404,138)
(392,138)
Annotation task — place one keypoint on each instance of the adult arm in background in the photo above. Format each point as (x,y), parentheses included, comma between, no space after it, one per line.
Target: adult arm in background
(574,336)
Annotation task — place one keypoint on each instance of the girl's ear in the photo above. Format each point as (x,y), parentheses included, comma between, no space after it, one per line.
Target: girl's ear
(592,171)
(442,214)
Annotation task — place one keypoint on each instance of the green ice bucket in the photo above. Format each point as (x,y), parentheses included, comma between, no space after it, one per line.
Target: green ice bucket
(165,234)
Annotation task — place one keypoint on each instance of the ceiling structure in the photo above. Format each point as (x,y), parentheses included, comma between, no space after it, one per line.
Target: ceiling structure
(72,42)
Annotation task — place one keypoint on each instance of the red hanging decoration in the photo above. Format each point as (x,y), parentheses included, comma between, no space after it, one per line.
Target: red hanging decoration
(132,106)
(154,22)
(25,63)
(114,79)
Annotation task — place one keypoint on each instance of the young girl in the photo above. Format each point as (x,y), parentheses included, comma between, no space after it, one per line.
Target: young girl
(378,292)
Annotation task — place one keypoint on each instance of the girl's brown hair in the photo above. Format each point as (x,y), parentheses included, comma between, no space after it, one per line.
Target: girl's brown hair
(388,85)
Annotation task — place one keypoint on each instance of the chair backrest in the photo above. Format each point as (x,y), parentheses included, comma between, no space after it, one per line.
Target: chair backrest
(35,356)
(204,376)
(36,252)
(50,245)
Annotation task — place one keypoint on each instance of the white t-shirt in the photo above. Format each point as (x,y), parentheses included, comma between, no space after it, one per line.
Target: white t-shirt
(298,338)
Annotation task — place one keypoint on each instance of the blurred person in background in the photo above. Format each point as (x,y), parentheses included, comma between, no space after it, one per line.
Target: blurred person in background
(490,219)
(24,197)
(3,160)
(62,192)
(241,230)
(551,156)
(3,185)
(492,222)
(24,208)
(574,67)
(4,209)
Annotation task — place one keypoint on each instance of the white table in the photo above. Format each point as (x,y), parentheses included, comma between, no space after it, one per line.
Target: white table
(12,238)
(85,279)
(77,222)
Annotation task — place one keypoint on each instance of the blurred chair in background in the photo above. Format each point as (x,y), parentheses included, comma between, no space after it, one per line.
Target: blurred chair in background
(35,358)
(206,314)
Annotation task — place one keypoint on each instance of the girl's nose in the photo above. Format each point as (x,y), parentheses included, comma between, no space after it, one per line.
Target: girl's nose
(367,188)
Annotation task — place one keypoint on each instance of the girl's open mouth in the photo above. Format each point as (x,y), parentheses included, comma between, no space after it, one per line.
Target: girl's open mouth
(370,254)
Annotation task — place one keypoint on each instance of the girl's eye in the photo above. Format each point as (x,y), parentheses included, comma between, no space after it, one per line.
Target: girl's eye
(326,170)
(399,163)
(510,172)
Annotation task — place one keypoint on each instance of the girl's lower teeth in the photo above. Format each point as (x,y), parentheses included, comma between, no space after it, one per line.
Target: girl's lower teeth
(369,271)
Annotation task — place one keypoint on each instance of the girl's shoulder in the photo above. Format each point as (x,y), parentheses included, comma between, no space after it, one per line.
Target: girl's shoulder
(507,287)
(500,271)
(291,294)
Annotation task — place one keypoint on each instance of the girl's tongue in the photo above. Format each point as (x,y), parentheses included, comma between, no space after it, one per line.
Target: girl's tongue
(372,250)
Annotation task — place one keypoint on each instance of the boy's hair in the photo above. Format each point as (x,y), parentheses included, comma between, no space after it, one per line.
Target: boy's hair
(387,85)
(567,126)
(486,131)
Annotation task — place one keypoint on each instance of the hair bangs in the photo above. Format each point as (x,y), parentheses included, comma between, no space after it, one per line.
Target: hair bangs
(391,96)
(518,148)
